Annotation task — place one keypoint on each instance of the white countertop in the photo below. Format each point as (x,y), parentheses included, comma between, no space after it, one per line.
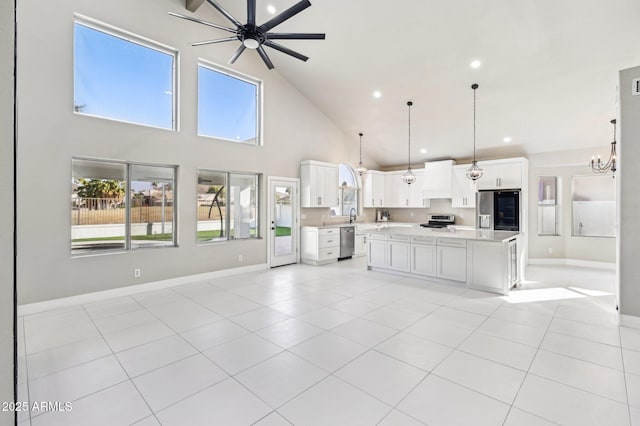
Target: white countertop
(475,234)
(364,225)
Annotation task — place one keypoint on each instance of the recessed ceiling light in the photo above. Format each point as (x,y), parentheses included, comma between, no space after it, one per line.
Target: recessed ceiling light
(475,64)
(271,9)
(377,94)
(423,150)
(507,139)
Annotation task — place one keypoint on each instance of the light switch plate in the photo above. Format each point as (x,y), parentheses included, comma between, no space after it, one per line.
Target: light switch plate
(636,87)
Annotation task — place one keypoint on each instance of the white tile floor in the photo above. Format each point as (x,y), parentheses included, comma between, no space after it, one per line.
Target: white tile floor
(338,345)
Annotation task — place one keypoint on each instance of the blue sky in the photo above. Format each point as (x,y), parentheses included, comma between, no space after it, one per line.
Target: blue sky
(228,110)
(118,79)
(121,80)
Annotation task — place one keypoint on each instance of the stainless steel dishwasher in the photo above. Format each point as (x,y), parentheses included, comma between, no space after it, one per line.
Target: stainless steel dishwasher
(347,241)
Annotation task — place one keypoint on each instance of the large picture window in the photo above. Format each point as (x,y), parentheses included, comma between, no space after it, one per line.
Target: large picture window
(593,206)
(104,217)
(227,206)
(228,105)
(123,77)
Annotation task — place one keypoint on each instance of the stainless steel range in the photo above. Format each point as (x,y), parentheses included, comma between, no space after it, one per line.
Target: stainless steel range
(439,221)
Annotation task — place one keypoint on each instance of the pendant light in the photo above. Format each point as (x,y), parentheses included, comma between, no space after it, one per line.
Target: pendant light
(474,172)
(409,177)
(361,169)
(597,165)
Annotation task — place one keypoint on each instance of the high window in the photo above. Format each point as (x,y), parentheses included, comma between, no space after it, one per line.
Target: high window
(120,206)
(229,105)
(123,77)
(348,191)
(227,206)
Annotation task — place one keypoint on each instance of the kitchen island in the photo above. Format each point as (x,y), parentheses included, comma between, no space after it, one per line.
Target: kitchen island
(480,259)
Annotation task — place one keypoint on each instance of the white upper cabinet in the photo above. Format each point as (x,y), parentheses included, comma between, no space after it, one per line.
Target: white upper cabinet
(502,174)
(399,194)
(374,188)
(395,190)
(437,179)
(318,184)
(463,189)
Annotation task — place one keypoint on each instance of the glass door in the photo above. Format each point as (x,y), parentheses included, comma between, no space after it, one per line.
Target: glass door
(283,221)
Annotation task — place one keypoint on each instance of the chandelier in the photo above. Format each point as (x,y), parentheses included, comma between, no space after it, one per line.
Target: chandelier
(597,165)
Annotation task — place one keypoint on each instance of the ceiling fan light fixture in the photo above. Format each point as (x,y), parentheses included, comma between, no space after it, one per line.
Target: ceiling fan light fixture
(251,43)
(474,172)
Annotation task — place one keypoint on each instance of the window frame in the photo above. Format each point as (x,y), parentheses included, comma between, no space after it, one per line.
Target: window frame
(127,246)
(227,206)
(573,201)
(259,101)
(146,42)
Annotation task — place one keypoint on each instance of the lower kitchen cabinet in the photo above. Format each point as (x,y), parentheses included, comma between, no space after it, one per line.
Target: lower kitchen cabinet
(319,245)
(377,252)
(399,254)
(360,245)
(452,263)
(433,257)
(423,256)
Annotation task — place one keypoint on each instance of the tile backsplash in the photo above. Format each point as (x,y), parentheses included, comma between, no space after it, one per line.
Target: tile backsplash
(315,217)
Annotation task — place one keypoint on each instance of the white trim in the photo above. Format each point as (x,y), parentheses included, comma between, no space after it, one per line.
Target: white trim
(629,321)
(295,227)
(34,308)
(573,262)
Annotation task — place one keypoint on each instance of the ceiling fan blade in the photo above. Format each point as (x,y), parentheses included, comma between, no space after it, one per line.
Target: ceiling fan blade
(220,40)
(225,13)
(286,50)
(237,54)
(295,36)
(251,12)
(265,58)
(209,24)
(292,11)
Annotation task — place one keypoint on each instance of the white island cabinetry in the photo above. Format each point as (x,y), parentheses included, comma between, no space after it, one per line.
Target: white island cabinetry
(483,260)
(423,256)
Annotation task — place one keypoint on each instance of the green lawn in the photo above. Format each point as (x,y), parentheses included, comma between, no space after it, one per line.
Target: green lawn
(202,236)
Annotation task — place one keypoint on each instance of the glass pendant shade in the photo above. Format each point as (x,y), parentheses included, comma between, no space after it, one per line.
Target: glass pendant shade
(361,169)
(474,172)
(598,166)
(408,177)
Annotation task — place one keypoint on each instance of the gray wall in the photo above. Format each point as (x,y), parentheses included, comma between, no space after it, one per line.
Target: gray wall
(50,134)
(6,207)
(565,165)
(629,205)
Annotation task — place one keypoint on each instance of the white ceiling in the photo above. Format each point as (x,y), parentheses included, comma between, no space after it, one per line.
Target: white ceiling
(548,77)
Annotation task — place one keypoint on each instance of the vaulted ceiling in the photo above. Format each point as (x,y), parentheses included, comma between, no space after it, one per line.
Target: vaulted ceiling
(548,78)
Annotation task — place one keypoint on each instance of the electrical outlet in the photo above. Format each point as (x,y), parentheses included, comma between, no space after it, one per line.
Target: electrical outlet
(303,216)
(239,258)
(136,273)
(550,250)
(411,214)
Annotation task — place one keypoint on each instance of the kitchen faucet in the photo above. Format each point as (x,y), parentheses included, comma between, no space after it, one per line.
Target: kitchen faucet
(352,215)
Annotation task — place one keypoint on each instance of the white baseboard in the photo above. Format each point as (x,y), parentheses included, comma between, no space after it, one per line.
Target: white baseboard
(630,321)
(573,262)
(34,308)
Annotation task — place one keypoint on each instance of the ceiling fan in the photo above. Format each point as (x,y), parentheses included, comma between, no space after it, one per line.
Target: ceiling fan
(254,36)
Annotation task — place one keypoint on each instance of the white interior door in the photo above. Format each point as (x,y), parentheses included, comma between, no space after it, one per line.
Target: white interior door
(283,226)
